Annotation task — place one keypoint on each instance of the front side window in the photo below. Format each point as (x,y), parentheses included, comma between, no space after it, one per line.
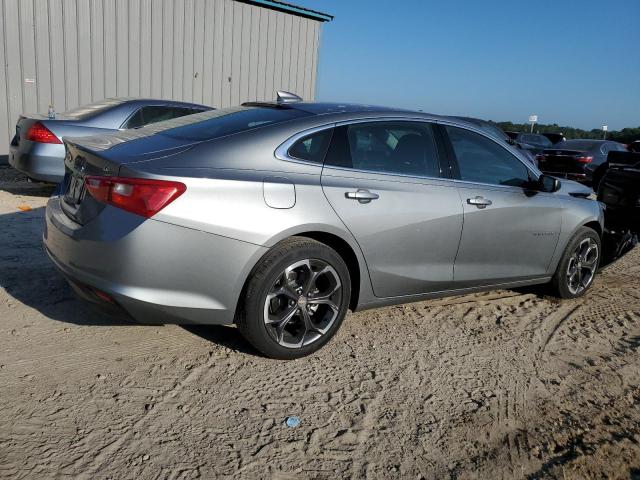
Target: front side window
(482,160)
(313,147)
(406,148)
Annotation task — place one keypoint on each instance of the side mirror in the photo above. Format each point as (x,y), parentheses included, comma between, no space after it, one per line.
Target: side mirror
(549,184)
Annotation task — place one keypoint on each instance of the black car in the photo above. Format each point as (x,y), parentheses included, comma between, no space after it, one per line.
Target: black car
(634,146)
(619,190)
(577,159)
(555,137)
(536,142)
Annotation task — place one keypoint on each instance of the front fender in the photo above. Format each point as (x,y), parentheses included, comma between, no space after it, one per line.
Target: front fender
(576,213)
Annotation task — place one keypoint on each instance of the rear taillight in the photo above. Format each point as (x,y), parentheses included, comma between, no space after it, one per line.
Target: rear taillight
(41,134)
(584,159)
(136,195)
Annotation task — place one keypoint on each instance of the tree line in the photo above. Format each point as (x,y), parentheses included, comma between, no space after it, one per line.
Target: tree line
(626,135)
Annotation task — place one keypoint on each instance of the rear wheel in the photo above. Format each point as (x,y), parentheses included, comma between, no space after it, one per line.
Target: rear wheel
(578,265)
(296,299)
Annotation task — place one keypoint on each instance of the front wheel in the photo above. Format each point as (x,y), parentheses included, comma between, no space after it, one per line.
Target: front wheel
(296,299)
(578,265)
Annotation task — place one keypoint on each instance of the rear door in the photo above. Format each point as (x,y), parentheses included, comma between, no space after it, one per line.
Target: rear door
(510,229)
(383,179)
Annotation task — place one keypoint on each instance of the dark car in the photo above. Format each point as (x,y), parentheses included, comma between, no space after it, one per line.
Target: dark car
(555,137)
(37,149)
(577,159)
(536,142)
(619,190)
(634,146)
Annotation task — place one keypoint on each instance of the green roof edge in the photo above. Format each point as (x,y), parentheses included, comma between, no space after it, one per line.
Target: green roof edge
(289,8)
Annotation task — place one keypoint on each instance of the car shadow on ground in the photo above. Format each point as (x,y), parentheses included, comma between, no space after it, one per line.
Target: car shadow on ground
(16,183)
(29,276)
(225,335)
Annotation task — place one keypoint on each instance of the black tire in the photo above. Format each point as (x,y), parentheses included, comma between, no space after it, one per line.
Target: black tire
(562,284)
(269,276)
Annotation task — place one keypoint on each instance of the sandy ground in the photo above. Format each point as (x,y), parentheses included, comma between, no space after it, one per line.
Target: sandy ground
(507,384)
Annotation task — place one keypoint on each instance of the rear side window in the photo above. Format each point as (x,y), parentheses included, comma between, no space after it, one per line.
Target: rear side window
(406,148)
(482,160)
(156,113)
(313,147)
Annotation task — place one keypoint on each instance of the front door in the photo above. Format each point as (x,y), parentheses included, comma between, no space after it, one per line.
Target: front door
(383,180)
(510,228)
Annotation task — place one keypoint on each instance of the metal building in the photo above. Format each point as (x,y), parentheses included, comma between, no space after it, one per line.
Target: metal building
(217,52)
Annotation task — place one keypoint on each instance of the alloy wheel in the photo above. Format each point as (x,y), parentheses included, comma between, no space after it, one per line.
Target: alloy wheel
(303,303)
(582,266)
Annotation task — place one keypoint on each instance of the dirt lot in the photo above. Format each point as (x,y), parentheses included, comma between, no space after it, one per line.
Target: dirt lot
(507,384)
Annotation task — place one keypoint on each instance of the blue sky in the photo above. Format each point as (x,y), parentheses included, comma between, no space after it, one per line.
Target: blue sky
(572,62)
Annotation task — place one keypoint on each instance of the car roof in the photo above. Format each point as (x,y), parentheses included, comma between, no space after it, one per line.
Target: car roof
(157,101)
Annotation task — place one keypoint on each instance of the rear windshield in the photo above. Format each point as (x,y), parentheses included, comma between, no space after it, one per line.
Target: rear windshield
(579,145)
(87,111)
(227,121)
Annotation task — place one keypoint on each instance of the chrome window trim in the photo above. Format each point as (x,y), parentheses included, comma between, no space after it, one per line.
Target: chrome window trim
(388,174)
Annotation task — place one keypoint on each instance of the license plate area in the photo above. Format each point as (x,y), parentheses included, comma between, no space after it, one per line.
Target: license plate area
(74,190)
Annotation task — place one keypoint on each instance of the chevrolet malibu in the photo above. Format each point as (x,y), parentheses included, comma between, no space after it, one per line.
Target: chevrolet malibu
(281,216)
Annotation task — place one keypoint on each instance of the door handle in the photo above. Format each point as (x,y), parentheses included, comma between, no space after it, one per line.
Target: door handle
(362,195)
(479,201)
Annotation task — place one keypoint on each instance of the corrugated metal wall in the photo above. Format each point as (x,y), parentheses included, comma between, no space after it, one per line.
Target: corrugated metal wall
(217,52)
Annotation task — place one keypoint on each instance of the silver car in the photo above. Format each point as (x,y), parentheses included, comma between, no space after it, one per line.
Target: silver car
(279,217)
(37,149)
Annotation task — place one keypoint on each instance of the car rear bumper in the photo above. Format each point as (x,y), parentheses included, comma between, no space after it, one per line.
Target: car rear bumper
(43,162)
(156,272)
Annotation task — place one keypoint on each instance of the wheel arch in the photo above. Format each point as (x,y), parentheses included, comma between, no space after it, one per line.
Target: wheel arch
(347,249)
(594,225)
(348,255)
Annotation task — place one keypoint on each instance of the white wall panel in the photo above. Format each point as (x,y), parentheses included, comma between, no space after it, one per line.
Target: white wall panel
(219,52)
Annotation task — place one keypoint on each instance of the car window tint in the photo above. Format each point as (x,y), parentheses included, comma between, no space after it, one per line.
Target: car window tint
(545,141)
(482,160)
(227,121)
(135,121)
(313,147)
(158,113)
(406,148)
(605,147)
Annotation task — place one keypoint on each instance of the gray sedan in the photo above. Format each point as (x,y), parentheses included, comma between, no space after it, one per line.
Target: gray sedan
(37,150)
(281,216)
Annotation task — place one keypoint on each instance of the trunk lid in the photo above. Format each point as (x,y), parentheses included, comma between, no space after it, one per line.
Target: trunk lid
(78,163)
(101,155)
(25,122)
(563,161)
